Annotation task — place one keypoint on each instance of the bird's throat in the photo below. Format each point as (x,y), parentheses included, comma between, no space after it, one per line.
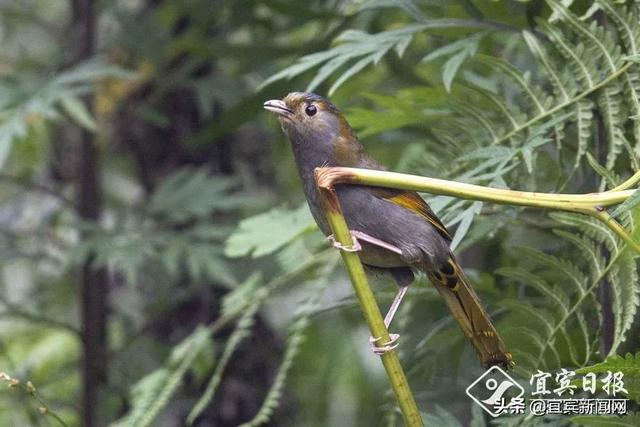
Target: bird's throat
(310,155)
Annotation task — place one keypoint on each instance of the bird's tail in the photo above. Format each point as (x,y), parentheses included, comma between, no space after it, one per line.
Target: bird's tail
(466,308)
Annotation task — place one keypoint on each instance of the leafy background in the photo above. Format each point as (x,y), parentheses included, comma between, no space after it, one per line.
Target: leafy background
(215,299)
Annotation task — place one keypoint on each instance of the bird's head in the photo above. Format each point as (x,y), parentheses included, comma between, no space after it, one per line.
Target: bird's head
(308,118)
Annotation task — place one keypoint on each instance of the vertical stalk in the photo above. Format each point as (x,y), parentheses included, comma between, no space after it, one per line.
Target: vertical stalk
(93,282)
(368,303)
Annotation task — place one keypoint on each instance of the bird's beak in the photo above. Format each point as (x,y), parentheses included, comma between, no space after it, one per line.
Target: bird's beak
(279,107)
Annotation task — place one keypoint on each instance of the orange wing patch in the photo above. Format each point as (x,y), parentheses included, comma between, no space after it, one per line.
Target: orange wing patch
(412,201)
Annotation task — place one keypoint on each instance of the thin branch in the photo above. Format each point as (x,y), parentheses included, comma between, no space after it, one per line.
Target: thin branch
(30,389)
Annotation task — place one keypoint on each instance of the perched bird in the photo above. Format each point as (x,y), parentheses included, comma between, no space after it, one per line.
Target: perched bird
(396,229)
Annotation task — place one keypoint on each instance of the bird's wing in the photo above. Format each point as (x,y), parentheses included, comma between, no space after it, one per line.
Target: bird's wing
(412,201)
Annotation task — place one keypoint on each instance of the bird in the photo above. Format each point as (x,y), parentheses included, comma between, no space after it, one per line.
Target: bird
(396,231)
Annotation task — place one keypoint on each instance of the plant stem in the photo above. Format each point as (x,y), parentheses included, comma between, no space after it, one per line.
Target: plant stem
(367,300)
(630,182)
(94,288)
(589,204)
(566,202)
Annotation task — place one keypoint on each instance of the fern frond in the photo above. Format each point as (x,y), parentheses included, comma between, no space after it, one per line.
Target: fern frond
(610,103)
(294,342)
(534,94)
(568,334)
(242,330)
(536,282)
(588,249)
(584,120)
(626,290)
(632,94)
(562,266)
(624,19)
(599,41)
(591,227)
(571,52)
(539,52)
(366,49)
(513,116)
(542,316)
(478,117)
(629,365)
(153,392)
(609,176)
(29,101)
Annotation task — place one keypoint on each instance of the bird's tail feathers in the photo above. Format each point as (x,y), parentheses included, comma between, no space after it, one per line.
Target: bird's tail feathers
(466,308)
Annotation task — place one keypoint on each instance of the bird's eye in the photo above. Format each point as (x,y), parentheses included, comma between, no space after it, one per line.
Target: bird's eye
(311,110)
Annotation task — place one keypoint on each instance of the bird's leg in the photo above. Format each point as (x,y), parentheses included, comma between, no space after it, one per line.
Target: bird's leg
(393,338)
(395,304)
(359,235)
(375,241)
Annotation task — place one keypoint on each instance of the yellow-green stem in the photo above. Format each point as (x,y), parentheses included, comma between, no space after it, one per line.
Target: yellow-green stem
(589,204)
(615,226)
(566,202)
(369,306)
(630,182)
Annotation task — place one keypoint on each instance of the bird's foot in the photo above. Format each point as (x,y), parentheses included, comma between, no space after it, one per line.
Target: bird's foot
(380,350)
(355,247)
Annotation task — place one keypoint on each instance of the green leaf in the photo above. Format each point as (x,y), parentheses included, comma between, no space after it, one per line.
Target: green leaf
(266,233)
(452,48)
(459,51)
(77,110)
(366,48)
(466,219)
(631,202)
(414,105)
(628,365)
(602,171)
(190,193)
(451,68)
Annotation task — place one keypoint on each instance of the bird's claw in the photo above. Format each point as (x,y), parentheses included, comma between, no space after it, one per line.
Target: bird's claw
(355,247)
(380,350)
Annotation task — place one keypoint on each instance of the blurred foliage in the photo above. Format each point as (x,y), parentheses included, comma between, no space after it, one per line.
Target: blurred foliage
(212,256)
